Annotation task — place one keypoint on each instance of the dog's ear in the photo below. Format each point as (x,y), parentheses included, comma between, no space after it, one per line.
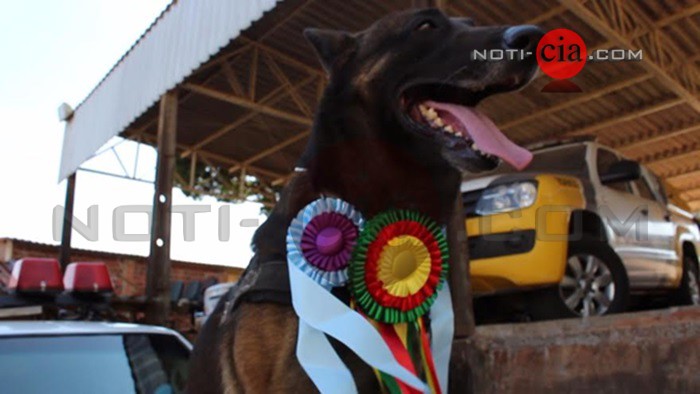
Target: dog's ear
(332,46)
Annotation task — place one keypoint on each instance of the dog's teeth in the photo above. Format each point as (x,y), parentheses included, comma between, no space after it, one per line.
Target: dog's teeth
(431,113)
(449,129)
(475,147)
(423,109)
(459,134)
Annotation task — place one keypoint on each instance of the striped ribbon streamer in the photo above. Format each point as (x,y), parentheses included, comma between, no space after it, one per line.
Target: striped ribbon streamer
(323,312)
(432,350)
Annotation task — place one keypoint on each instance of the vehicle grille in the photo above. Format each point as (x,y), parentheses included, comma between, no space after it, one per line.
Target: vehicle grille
(469,200)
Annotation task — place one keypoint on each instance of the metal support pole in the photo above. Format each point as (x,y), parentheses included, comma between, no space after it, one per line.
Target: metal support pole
(158,274)
(461,379)
(67,222)
(460,285)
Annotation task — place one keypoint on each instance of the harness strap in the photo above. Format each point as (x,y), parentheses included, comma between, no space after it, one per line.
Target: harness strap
(271,284)
(261,282)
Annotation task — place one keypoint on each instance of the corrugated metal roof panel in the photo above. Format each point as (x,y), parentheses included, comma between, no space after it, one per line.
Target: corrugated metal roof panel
(187,34)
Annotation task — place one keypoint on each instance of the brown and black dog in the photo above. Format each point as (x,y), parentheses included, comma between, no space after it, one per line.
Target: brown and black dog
(394,129)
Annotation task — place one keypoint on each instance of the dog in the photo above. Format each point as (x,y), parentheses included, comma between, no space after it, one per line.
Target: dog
(395,128)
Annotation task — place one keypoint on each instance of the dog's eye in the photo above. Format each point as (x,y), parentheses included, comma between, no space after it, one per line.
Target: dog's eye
(425,25)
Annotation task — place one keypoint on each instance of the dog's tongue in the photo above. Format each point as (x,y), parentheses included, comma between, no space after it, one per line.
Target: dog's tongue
(486,134)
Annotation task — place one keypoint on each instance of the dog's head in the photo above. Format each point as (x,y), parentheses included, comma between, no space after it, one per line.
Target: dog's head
(418,69)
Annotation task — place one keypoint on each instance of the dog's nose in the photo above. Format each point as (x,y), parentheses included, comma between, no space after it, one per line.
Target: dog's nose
(523,37)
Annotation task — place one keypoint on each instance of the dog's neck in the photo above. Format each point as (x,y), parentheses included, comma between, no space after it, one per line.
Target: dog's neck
(364,158)
(358,152)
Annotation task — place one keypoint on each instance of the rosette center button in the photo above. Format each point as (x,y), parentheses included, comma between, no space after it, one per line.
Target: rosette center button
(329,241)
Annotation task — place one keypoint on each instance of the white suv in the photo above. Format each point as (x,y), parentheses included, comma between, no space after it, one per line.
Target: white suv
(91,357)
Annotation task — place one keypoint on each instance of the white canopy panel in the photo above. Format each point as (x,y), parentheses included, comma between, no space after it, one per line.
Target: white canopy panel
(186,35)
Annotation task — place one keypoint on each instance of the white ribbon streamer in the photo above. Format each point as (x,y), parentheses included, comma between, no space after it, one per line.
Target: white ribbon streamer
(442,331)
(322,311)
(320,361)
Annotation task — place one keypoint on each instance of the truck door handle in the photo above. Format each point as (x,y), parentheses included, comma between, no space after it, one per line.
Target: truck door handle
(667,217)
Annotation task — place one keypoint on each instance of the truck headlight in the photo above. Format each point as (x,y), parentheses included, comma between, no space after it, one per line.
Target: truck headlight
(505,198)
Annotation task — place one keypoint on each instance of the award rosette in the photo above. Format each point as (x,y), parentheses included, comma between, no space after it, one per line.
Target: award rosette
(320,244)
(321,238)
(398,267)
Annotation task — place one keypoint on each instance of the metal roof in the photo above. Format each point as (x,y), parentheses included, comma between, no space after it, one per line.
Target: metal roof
(248,109)
(184,36)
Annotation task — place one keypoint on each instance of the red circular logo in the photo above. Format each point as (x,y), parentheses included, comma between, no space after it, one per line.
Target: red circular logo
(561,54)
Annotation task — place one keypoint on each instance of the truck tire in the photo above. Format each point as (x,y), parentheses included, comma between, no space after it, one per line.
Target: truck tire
(689,292)
(595,283)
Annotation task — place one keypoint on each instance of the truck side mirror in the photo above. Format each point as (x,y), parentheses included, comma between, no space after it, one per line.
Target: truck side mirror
(622,171)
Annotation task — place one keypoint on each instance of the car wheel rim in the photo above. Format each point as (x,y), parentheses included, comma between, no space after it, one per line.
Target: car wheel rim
(587,287)
(694,288)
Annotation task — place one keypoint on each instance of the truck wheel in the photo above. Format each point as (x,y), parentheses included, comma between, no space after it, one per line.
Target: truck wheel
(594,283)
(689,292)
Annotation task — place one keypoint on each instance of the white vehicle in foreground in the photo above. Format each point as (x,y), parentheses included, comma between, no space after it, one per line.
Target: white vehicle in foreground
(91,357)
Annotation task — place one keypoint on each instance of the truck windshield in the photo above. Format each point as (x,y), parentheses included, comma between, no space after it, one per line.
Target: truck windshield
(137,363)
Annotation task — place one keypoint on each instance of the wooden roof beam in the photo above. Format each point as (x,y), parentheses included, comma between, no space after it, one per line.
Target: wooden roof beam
(289,88)
(546,15)
(273,149)
(660,136)
(225,160)
(618,118)
(290,15)
(248,104)
(222,58)
(659,50)
(253,73)
(284,57)
(694,206)
(232,79)
(283,179)
(578,100)
(554,11)
(203,154)
(680,177)
(682,14)
(690,192)
(671,154)
(269,99)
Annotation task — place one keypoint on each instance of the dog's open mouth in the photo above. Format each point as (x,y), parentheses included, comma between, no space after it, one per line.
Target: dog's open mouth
(453,119)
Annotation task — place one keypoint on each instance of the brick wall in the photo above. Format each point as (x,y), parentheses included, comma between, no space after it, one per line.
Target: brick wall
(128,272)
(643,352)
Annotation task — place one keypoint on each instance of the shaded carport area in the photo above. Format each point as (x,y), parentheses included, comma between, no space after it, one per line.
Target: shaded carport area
(234,118)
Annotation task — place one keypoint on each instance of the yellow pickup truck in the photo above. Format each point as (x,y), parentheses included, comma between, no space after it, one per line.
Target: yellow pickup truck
(577,233)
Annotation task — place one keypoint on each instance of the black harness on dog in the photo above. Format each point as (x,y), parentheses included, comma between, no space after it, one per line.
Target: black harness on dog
(268,282)
(261,282)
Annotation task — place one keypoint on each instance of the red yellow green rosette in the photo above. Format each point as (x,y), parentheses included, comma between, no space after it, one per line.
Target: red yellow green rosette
(398,265)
